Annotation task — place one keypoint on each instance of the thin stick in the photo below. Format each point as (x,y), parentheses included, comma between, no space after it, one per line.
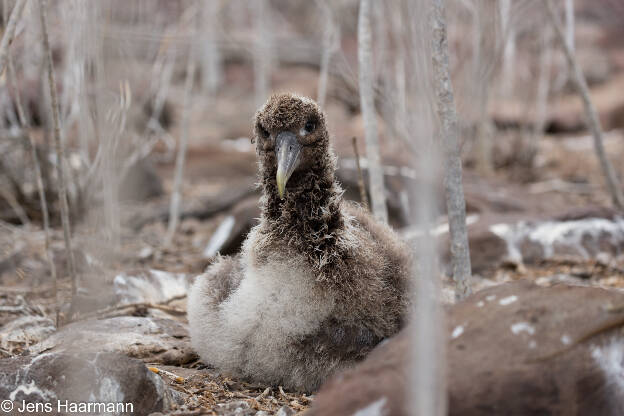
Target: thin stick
(367,102)
(262,50)
(174,210)
(455,202)
(211,55)
(58,145)
(40,188)
(330,42)
(613,183)
(569,19)
(361,185)
(9,33)
(111,311)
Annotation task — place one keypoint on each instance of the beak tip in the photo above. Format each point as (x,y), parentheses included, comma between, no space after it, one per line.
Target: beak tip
(281,183)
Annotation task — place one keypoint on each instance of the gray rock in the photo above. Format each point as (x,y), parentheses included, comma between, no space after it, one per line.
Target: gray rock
(496,239)
(152,340)
(150,286)
(25,331)
(584,238)
(235,408)
(285,411)
(51,383)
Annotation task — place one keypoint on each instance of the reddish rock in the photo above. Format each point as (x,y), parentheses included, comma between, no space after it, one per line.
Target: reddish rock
(513,349)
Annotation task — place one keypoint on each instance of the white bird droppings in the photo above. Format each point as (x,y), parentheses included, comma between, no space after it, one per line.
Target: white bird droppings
(490,298)
(565,339)
(610,359)
(219,237)
(373,409)
(508,300)
(480,304)
(457,331)
(522,327)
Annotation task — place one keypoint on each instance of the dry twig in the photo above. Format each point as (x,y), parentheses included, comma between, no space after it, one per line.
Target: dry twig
(361,185)
(367,102)
(7,39)
(262,50)
(123,310)
(615,188)
(38,177)
(172,376)
(331,40)
(174,210)
(58,144)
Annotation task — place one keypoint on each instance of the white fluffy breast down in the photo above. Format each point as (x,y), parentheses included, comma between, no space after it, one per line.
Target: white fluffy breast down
(252,332)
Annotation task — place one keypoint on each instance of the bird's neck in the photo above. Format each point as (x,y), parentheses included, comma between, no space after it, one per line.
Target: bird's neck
(309,217)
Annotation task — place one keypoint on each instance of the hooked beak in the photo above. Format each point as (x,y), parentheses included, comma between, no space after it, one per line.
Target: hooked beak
(287,150)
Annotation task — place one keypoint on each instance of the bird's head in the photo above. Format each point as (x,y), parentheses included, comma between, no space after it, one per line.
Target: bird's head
(291,137)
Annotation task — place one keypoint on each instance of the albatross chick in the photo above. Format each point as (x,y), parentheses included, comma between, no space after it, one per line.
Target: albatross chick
(318,282)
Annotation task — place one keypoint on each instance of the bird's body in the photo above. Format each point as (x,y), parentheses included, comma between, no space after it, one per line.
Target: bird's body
(318,282)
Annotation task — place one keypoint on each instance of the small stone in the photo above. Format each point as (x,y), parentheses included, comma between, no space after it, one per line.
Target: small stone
(285,411)
(25,331)
(150,286)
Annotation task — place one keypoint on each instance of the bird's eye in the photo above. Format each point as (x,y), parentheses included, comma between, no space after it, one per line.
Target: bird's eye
(310,126)
(263,132)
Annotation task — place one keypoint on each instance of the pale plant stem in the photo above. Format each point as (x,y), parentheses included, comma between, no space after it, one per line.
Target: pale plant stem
(543,87)
(9,33)
(361,185)
(569,20)
(59,148)
(176,196)
(329,41)
(367,102)
(615,188)
(455,202)
(211,56)
(262,51)
(39,179)
(427,391)
(509,48)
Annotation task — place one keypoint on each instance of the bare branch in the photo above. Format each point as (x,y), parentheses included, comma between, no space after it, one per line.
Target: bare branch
(569,19)
(38,177)
(262,51)
(58,145)
(361,185)
(331,35)
(455,202)
(7,39)
(211,55)
(174,210)
(613,183)
(367,102)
